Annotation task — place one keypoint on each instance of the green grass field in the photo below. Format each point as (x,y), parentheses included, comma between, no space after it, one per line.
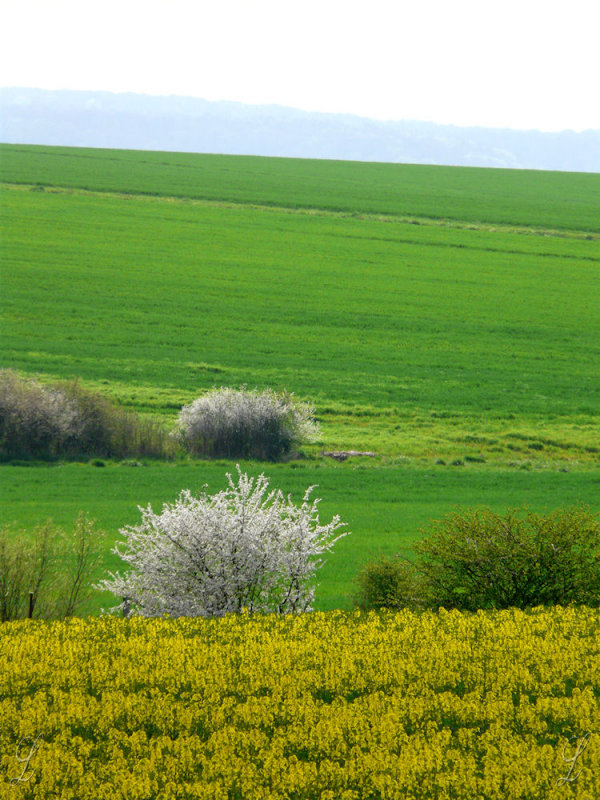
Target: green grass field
(500,196)
(430,314)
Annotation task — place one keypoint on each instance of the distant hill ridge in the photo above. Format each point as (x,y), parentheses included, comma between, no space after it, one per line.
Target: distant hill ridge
(185,124)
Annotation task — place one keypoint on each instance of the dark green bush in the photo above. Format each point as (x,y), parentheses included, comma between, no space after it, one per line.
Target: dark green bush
(111,432)
(390,583)
(478,559)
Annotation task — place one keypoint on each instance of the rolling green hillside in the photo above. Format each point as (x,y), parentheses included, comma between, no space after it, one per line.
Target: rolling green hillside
(446,319)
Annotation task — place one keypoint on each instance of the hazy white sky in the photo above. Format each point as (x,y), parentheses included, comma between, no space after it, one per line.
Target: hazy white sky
(519,64)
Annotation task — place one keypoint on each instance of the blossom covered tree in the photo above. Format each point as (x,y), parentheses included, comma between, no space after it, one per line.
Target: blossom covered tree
(243,548)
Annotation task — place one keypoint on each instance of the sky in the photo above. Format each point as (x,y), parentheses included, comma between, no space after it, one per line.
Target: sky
(522,65)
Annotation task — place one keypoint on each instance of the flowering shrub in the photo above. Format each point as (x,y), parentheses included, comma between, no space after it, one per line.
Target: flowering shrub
(237,423)
(243,548)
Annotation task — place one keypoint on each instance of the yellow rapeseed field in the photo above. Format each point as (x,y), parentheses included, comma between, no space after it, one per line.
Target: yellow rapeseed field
(502,705)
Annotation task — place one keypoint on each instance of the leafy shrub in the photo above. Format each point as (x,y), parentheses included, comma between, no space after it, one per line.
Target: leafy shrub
(390,583)
(243,548)
(65,420)
(51,564)
(478,559)
(238,423)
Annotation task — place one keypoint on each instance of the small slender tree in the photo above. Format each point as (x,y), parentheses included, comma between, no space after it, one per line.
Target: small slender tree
(243,548)
(45,573)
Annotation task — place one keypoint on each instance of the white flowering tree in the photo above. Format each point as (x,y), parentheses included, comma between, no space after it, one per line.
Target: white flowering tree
(243,548)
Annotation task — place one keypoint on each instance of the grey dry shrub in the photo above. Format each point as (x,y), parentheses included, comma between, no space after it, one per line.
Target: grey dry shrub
(65,420)
(239,423)
(35,421)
